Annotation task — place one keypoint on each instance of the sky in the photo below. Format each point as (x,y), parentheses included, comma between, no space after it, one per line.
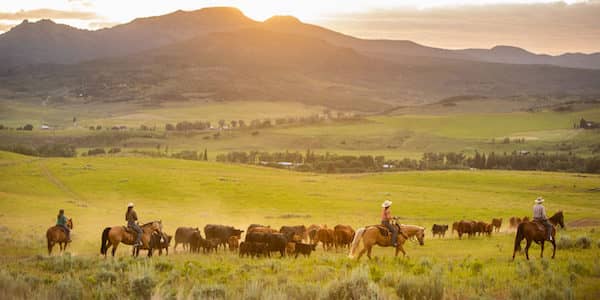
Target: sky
(541,26)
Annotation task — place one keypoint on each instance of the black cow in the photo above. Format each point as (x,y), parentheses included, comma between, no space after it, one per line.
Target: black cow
(291,231)
(276,242)
(196,242)
(221,233)
(440,230)
(159,241)
(183,236)
(304,249)
(209,245)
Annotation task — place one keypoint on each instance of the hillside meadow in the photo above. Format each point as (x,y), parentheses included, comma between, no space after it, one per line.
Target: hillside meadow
(395,136)
(94,191)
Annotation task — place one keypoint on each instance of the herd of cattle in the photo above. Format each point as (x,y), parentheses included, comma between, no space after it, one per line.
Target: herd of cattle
(261,240)
(471,228)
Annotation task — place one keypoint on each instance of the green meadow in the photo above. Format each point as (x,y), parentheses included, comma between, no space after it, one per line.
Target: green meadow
(94,191)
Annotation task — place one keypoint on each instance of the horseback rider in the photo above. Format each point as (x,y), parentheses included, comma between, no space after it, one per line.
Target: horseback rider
(132,218)
(61,221)
(539,215)
(386,218)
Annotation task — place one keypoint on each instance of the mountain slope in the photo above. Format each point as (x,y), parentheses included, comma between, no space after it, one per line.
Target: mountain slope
(259,64)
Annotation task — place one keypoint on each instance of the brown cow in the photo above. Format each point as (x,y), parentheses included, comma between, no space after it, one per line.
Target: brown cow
(233,243)
(525,219)
(488,229)
(343,235)
(291,231)
(312,232)
(325,236)
(465,227)
(263,229)
(183,236)
(496,224)
(479,227)
(454,227)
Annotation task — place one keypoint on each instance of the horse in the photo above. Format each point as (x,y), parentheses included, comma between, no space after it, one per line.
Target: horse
(112,236)
(372,235)
(536,232)
(57,235)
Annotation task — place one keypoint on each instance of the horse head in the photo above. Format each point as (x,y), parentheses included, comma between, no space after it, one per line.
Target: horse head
(561,219)
(70,223)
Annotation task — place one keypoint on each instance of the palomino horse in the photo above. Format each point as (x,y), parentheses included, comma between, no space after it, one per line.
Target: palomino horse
(536,232)
(371,236)
(112,236)
(57,235)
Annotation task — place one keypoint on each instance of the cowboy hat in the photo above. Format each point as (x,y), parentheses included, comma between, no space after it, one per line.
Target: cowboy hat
(386,203)
(130,204)
(539,200)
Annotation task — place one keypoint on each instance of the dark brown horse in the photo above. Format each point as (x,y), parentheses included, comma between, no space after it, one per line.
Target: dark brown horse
(112,236)
(57,235)
(536,232)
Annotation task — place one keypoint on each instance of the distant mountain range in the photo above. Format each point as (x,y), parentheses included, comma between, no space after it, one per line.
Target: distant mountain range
(221,54)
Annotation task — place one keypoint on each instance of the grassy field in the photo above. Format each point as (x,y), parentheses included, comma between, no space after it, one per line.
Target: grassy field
(95,191)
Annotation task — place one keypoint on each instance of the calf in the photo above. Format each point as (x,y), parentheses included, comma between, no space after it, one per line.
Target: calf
(440,230)
(211,245)
(304,249)
(196,241)
(160,241)
(233,243)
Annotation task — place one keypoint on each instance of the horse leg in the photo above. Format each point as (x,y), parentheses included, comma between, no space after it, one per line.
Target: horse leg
(369,252)
(527,248)
(114,249)
(542,253)
(361,253)
(553,247)
(50,246)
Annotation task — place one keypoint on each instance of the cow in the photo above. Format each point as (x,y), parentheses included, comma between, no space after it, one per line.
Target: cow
(221,233)
(209,245)
(440,230)
(312,232)
(454,227)
(304,249)
(244,249)
(343,235)
(160,241)
(233,243)
(525,219)
(275,241)
(326,237)
(496,224)
(196,241)
(183,235)
(488,229)
(479,227)
(264,229)
(465,227)
(290,248)
(258,249)
(291,231)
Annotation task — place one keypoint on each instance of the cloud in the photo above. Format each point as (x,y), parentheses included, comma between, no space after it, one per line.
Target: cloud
(46,13)
(543,27)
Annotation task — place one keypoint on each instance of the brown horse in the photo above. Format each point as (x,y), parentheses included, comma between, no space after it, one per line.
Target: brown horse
(536,232)
(371,236)
(57,235)
(112,236)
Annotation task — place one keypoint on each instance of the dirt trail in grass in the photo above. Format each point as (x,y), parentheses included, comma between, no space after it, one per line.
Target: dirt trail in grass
(75,198)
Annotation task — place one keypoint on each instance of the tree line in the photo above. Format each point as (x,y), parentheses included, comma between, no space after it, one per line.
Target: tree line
(333,163)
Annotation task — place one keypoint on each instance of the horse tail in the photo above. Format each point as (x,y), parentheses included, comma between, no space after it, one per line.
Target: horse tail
(519,237)
(104,245)
(357,237)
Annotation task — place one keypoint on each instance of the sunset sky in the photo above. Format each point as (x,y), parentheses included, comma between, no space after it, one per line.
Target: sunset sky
(537,25)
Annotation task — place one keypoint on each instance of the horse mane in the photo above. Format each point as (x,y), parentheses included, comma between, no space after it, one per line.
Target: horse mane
(150,223)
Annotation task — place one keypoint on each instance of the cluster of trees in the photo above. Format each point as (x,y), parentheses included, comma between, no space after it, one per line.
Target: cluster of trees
(332,163)
(46,150)
(260,124)
(310,161)
(191,155)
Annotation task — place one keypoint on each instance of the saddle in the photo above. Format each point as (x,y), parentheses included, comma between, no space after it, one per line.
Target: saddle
(386,232)
(129,230)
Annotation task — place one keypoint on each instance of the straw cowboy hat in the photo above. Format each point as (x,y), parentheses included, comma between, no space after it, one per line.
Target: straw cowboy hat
(539,200)
(386,203)
(130,204)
